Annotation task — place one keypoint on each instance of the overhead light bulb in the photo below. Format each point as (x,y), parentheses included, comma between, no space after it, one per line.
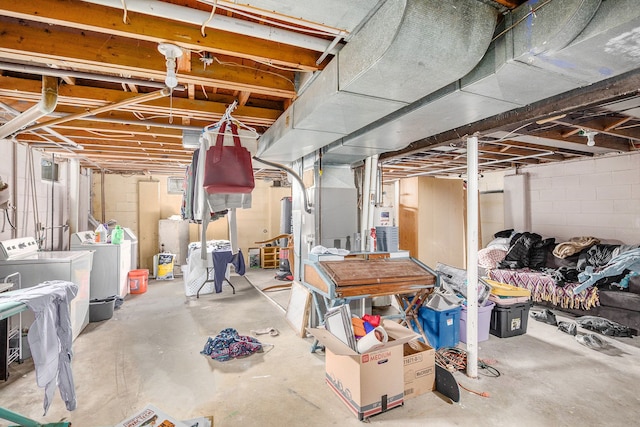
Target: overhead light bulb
(171,80)
(590,138)
(170,52)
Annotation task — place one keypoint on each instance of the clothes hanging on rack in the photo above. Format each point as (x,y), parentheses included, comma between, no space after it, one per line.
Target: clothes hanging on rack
(50,337)
(205,204)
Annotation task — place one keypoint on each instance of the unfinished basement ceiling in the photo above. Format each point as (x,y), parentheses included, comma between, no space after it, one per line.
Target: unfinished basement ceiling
(265,55)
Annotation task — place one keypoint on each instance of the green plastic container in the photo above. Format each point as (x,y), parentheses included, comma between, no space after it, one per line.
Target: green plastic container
(117,235)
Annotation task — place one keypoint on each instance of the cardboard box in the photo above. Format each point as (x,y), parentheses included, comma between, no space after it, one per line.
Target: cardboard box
(368,383)
(419,369)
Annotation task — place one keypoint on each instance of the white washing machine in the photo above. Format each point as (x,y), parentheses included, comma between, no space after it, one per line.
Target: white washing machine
(111,264)
(22,256)
(129,235)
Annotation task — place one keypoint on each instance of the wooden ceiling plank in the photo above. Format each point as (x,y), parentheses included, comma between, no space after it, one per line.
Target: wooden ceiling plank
(208,111)
(243,98)
(610,142)
(91,17)
(511,143)
(615,88)
(106,54)
(617,123)
(596,126)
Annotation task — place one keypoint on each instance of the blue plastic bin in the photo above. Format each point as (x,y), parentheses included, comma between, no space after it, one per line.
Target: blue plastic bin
(441,327)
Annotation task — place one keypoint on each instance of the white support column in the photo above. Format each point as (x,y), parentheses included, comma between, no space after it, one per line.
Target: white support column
(364,238)
(371,199)
(233,229)
(74,195)
(472,256)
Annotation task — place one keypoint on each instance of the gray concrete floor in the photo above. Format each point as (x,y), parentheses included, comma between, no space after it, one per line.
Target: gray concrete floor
(149,352)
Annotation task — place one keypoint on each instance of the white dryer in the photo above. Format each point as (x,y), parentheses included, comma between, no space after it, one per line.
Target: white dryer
(111,265)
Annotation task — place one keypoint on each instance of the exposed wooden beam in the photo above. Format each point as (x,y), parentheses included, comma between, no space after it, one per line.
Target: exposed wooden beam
(604,141)
(564,151)
(617,123)
(90,97)
(102,53)
(616,88)
(91,17)
(598,126)
(243,97)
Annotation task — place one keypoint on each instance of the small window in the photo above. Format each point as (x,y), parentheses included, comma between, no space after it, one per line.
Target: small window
(174,185)
(49,171)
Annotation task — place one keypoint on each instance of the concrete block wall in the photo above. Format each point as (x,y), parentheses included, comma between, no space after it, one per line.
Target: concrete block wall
(491,204)
(259,223)
(593,197)
(121,198)
(27,194)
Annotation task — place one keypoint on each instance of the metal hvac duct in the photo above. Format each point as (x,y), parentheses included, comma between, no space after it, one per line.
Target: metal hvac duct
(406,50)
(566,45)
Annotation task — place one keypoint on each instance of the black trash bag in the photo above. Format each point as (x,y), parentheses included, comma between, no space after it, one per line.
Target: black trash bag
(604,326)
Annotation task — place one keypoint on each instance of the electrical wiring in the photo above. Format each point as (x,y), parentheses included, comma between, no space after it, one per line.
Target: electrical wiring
(233,64)
(124,16)
(532,12)
(268,64)
(269,21)
(130,135)
(204,24)
(456,359)
(479,393)
(8,219)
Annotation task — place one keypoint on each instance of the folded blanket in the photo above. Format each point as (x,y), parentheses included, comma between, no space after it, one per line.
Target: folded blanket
(574,245)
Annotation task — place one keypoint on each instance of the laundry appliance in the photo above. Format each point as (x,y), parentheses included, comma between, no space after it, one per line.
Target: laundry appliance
(130,235)
(111,264)
(22,256)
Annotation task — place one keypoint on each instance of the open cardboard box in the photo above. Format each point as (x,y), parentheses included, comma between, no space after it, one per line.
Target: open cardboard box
(419,369)
(368,383)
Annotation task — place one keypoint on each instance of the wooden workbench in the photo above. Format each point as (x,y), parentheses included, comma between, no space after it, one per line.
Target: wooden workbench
(360,278)
(340,282)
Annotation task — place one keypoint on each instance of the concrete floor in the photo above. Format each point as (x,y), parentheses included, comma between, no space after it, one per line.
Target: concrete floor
(149,352)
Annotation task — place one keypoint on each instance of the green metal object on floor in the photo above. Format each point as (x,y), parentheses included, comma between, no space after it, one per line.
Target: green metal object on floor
(8,415)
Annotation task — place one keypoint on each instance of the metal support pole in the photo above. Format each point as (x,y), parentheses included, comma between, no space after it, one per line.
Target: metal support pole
(472,256)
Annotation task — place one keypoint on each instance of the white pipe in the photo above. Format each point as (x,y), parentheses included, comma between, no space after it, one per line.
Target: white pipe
(371,198)
(472,256)
(131,122)
(105,108)
(220,22)
(235,6)
(46,105)
(49,130)
(74,196)
(396,204)
(492,162)
(233,230)
(57,72)
(364,237)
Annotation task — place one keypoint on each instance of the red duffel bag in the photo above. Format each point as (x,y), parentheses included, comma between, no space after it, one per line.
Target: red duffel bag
(228,168)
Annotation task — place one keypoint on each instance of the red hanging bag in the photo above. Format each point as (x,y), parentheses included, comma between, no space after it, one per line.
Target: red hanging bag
(228,168)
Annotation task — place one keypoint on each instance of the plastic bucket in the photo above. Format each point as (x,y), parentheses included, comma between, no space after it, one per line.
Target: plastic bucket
(101,309)
(484,321)
(138,281)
